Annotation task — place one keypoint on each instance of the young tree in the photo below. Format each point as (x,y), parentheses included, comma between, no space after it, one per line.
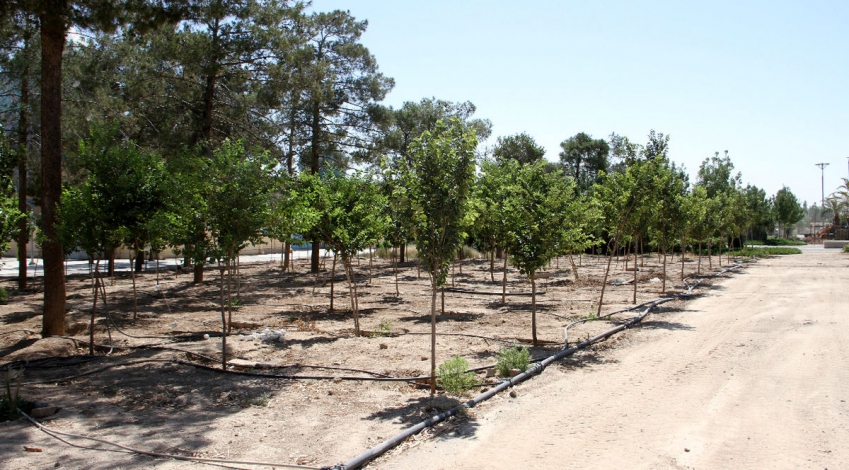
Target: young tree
(438,175)
(538,217)
(350,218)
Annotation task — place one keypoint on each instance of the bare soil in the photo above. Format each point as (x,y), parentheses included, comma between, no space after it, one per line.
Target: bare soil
(158,390)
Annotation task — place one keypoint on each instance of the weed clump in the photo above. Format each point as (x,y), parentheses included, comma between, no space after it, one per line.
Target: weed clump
(512,358)
(453,376)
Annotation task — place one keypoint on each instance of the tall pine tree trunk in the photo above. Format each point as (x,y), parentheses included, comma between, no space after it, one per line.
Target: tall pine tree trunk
(52,19)
(23,141)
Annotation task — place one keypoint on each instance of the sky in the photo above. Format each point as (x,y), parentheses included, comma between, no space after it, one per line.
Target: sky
(765,80)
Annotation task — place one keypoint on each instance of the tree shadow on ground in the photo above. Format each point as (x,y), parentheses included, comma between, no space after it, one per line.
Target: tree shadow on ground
(20,316)
(440,318)
(419,409)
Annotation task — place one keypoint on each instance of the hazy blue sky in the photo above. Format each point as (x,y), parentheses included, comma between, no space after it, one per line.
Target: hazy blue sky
(765,80)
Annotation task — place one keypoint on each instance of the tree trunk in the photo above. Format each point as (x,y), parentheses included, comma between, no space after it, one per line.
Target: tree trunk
(370,262)
(402,253)
(198,273)
(710,255)
(492,265)
(23,141)
(135,292)
(574,268)
(395,269)
(433,340)
(333,280)
(721,241)
(699,265)
(223,321)
(352,289)
(607,272)
(663,281)
(110,266)
(634,300)
(93,309)
(504,281)
(229,295)
(286,260)
(139,261)
(683,253)
(52,19)
(314,256)
(534,308)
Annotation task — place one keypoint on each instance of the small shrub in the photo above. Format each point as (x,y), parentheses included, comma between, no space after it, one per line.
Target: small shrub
(773,241)
(3,295)
(453,376)
(383,329)
(10,402)
(469,252)
(512,358)
(846,248)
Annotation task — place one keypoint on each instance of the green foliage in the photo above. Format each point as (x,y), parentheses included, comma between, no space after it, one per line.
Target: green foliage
(4,295)
(261,400)
(383,329)
(520,147)
(512,358)
(763,252)
(349,210)
(10,216)
(787,209)
(438,176)
(585,159)
(779,241)
(846,248)
(453,376)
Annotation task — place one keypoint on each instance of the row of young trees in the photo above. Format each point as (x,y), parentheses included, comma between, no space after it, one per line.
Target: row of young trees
(205,125)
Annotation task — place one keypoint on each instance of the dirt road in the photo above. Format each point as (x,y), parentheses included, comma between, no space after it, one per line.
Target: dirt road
(754,374)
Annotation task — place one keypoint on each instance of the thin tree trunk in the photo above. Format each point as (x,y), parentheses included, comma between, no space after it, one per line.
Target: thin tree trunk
(504,281)
(333,280)
(286,260)
(492,265)
(710,254)
(634,300)
(229,295)
(93,309)
(699,265)
(683,253)
(433,340)
(352,289)
(370,262)
(443,300)
(221,270)
(663,285)
(607,272)
(534,308)
(23,142)
(395,268)
(135,292)
(402,252)
(574,268)
(721,241)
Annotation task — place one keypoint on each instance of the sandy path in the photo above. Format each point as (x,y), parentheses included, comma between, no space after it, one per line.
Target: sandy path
(752,375)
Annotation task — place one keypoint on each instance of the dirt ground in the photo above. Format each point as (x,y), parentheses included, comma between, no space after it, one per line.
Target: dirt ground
(753,374)
(150,394)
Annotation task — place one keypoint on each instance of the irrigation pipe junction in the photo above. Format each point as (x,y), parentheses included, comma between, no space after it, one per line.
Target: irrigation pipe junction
(376,451)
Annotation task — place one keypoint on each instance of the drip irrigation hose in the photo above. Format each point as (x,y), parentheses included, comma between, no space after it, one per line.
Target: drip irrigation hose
(508,294)
(54,433)
(379,449)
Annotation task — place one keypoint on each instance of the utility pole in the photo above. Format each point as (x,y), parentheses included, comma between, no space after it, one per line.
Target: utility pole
(822,201)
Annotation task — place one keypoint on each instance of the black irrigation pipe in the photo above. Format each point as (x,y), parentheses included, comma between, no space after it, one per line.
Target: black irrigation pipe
(537,368)
(508,294)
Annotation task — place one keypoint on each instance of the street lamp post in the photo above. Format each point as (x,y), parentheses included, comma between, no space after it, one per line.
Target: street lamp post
(822,201)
